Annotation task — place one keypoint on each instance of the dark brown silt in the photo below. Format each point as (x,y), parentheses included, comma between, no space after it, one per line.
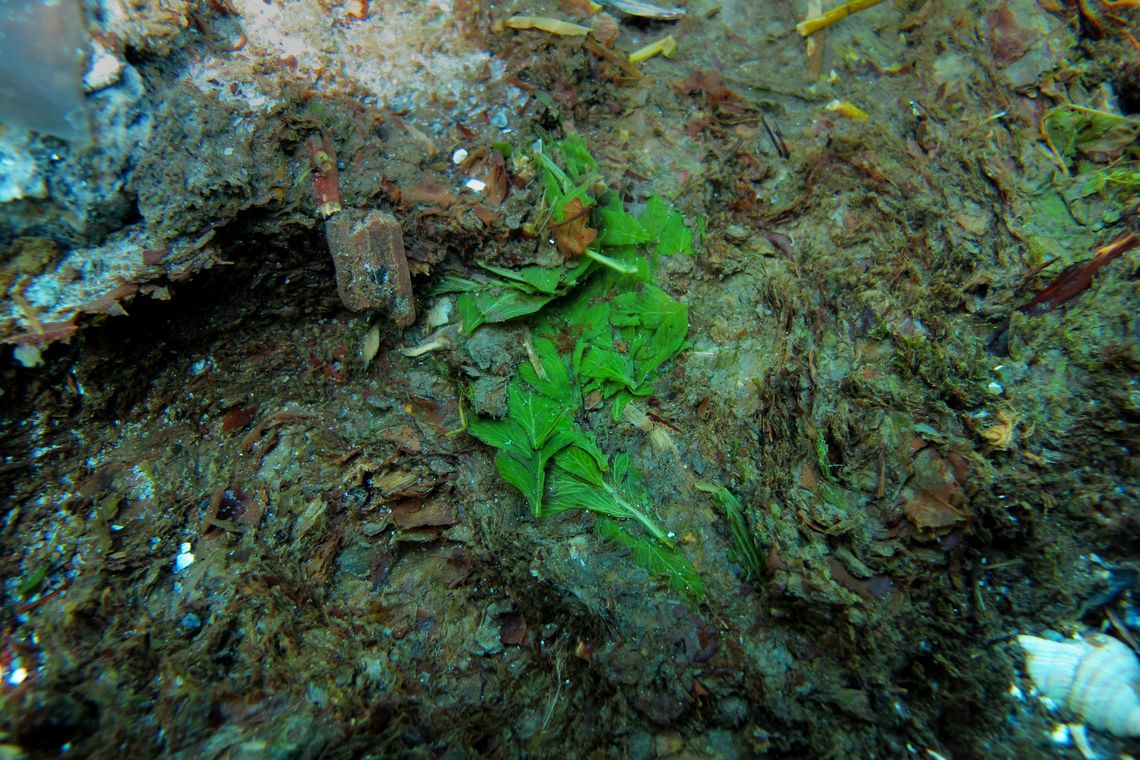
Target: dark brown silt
(371,267)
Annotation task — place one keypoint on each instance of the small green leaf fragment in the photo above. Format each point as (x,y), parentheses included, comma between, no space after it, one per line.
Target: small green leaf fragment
(602,364)
(469,312)
(31,584)
(747,553)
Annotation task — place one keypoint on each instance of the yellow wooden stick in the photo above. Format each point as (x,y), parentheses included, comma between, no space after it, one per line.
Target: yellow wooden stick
(813,24)
(665,46)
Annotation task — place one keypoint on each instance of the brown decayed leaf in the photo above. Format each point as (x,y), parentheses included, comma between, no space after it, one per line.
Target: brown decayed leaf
(573,235)
(416,513)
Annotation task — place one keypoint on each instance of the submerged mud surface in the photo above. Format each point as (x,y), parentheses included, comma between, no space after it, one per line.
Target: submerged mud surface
(238,528)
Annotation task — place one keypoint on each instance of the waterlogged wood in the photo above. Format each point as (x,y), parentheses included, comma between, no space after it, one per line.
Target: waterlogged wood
(371,267)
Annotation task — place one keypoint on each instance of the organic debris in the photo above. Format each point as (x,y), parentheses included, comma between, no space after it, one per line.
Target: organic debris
(1077,278)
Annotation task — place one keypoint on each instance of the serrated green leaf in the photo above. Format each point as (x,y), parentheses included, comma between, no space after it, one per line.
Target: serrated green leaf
(617,227)
(497,302)
(654,216)
(667,227)
(656,559)
(569,492)
(501,434)
(600,364)
(581,464)
(562,437)
(527,476)
(674,237)
(538,415)
(540,279)
(647,306)
(555,380)
(667,342)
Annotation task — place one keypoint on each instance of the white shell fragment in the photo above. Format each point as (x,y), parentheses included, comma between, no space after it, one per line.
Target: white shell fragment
(1096,678)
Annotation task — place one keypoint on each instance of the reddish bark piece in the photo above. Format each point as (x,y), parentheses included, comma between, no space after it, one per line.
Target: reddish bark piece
(371,266)
(237,419)
(326,181)
(416,513)
(1077,278)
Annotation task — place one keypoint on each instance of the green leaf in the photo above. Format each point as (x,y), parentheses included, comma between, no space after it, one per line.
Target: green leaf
(620,467)
(501,434)
(452,284)
(667,227)
(527,476)
(617,227)
(654,216)
(497,303)
(562,438)
(469,312)
(538,415)
(555,380)
(561,189)
(647,306)
(581,464)
(568,492)
(675,237)
(747,553)
(601,364)
(656,559)
(579,162)
(541,279)
(667,342)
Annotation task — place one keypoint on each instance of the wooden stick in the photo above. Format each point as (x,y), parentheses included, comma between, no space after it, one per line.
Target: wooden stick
(813,24)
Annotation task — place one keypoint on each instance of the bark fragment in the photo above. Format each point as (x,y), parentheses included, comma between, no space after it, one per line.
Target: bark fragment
(371,267)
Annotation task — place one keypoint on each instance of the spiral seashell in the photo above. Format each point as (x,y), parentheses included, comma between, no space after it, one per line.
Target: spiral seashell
(1096,678)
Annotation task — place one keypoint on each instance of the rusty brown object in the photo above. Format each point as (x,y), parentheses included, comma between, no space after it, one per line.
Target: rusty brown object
(326,181)
(371,267)
(1077,278)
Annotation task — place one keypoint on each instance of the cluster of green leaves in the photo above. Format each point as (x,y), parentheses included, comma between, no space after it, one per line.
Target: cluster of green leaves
(622,237)
(514,293)
(622,329)
(624,338)
(557,465)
